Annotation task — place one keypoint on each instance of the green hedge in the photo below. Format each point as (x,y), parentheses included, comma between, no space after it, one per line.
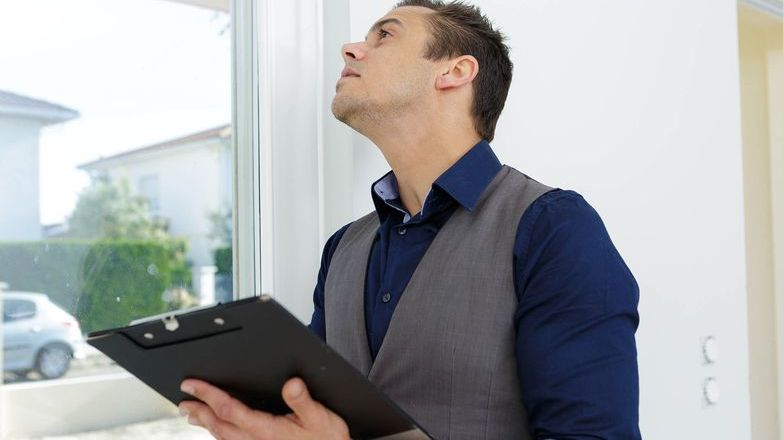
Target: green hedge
(224,260)
(104,283)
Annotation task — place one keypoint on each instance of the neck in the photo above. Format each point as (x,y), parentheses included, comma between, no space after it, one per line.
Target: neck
(419,153)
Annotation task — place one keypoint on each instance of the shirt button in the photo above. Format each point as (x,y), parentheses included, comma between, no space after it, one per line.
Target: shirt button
(386,297)
(402,230)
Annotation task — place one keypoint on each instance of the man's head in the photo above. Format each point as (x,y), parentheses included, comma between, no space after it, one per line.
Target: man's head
(426,55)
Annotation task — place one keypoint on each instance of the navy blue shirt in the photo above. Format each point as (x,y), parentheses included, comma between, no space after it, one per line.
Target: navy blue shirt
(577,312)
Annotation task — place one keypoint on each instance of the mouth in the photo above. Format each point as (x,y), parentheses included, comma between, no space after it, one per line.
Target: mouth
(349,72)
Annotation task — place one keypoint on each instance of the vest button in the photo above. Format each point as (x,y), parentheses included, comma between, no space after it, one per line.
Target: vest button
(386,297)
(402,231)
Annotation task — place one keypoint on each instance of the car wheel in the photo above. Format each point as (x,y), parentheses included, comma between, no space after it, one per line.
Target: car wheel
(53,361)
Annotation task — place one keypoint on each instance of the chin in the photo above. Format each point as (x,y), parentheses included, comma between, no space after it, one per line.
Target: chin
(343,109)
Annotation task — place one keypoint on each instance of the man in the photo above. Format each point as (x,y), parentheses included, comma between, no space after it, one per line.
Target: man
(486,304)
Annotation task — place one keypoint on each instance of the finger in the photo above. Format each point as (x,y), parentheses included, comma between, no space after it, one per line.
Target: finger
(199,414)
(224,406)
(309,412)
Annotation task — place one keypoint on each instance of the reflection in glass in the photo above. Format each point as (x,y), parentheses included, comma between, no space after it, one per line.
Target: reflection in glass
(116,176)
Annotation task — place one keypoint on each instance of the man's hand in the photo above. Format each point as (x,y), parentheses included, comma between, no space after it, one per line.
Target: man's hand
(227,418)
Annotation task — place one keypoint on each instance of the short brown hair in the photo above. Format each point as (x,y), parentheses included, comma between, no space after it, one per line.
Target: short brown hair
(461,29)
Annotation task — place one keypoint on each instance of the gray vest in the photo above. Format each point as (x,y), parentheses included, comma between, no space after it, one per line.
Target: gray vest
(448,358)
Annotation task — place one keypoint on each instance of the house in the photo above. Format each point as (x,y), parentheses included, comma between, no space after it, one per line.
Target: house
(184,179)
(21,121)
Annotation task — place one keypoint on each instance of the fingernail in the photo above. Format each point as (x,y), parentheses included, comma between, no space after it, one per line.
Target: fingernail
(193,421)
(186,388)
(295,389)
(183,412)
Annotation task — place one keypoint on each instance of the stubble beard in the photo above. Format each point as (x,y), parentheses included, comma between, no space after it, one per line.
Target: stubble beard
(362,113)
(357,112)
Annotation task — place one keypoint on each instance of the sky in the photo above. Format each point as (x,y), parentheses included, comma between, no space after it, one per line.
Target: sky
(138,72)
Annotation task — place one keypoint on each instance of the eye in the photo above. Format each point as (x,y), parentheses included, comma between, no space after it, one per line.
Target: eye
(382,33)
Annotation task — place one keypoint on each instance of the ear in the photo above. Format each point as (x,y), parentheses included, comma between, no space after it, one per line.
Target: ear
(458,72)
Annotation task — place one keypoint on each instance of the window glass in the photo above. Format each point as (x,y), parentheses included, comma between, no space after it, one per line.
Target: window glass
(148,188)
(15,309)
(116,192)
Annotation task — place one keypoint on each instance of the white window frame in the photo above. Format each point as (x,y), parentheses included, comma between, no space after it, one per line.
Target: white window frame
(245,144)
(301,192)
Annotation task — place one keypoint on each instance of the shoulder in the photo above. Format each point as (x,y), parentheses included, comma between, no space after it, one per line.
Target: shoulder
(559,217)
(561,205)
(563,254)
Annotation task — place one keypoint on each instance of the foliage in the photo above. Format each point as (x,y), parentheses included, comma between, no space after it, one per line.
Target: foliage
(109,210)
(224,260)
(50,267)
(104,283)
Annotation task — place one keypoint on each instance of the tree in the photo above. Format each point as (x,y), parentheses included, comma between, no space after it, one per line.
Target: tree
(110,211)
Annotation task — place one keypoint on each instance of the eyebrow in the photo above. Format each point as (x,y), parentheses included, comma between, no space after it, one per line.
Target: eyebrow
(381,23)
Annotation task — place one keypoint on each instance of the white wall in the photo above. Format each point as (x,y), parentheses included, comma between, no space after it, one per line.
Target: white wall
(19,208)
(635,105)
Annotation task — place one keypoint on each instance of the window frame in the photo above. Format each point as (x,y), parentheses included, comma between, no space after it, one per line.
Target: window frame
(246,206)
(301,193)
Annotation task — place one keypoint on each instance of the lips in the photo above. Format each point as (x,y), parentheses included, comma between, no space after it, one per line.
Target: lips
(348,72)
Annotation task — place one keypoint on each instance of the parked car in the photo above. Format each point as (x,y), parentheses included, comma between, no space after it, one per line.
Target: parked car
(38,336)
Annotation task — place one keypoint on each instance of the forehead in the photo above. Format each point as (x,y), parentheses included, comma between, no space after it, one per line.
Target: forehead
(413,18)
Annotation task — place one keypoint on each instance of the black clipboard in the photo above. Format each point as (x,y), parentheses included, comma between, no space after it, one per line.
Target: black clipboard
(249,348)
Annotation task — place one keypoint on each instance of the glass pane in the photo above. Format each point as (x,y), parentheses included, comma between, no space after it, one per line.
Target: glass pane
(116,182)
(16,309)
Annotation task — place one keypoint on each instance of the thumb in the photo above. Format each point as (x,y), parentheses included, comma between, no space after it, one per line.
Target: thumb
(297,397)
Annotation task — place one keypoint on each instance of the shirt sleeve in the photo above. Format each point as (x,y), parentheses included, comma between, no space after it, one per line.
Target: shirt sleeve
(575,323)
(318,320)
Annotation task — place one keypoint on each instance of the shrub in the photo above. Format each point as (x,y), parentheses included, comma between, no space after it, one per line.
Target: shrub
(224,260)
(104,283)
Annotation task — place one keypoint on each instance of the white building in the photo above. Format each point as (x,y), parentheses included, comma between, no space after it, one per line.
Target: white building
(184,179)
(21,121)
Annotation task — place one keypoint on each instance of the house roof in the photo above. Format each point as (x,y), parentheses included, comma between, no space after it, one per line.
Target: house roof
(221,132)
(12,104)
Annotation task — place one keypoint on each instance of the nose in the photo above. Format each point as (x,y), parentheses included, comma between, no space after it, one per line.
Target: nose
(353,51)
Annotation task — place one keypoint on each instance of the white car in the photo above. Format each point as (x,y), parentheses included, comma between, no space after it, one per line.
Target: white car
(38,335)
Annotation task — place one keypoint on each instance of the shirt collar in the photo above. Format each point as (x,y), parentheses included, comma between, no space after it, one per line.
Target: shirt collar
(385,196)
(464,182)
(467,179)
